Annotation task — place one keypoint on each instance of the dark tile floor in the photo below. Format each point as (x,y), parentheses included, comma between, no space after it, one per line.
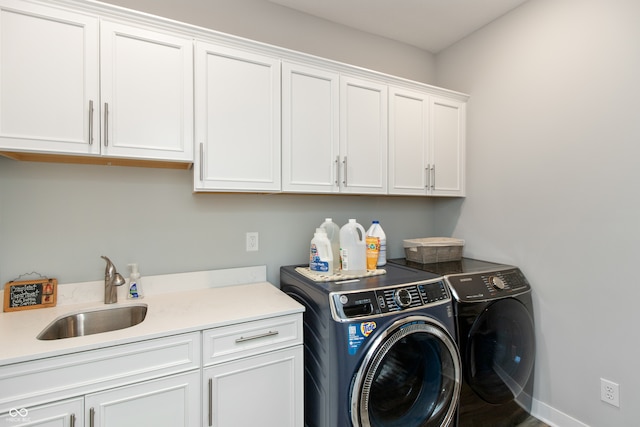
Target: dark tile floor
(532,422)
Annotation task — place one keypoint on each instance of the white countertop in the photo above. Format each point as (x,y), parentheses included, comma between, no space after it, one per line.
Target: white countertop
(206,301)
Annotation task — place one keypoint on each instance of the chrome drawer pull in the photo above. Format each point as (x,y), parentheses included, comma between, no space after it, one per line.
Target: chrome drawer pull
(90,124)
(201,162)
(210,402)
(255,337)
(106,124)
(344,162)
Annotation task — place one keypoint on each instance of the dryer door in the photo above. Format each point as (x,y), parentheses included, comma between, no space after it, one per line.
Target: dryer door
(410,377)
(500,352)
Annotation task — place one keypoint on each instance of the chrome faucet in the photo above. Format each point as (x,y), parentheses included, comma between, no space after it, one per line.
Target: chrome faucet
(111,279)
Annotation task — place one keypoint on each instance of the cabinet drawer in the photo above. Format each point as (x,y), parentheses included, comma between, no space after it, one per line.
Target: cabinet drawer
(84,372)
(245,339)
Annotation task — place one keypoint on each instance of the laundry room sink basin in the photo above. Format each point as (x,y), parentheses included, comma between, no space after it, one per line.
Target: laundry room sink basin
(94,322)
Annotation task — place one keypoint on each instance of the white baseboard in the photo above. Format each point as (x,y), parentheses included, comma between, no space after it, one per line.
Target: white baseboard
(552,416)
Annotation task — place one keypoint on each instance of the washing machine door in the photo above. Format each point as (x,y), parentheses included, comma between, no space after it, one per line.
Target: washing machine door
(410,377)
(501,351)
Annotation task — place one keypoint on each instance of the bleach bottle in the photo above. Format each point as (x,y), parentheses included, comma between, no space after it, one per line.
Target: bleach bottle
(376,231)
(333,234)
(353,248)
(320,255)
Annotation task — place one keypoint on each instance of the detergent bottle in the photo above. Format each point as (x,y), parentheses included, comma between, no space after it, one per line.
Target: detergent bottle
(333,234)
(353,248)
(320,255)
(376,231)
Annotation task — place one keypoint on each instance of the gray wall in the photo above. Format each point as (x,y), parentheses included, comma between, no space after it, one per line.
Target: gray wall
(58,219)
(274,24)
(553,186)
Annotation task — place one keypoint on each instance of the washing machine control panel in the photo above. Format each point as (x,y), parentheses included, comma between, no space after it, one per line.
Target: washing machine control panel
(488,285)
(381,301)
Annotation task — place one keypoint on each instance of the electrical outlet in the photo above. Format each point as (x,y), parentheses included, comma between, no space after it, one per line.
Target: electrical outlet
(252,241)
(610,392)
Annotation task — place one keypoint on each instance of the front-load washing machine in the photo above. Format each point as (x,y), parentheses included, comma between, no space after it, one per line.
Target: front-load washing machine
(379,350)
(495,332)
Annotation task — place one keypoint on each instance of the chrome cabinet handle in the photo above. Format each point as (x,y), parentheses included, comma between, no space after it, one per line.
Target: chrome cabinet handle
(433,176)
(92,416)
(337,170)
(255,337)
(344,162)
(427,176)
(90,124)
(106,124)
(201,161)
(210,401)
(72,420)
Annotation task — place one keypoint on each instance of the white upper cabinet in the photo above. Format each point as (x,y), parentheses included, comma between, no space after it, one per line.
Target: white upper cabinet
(447,136)
(334,131)
(237,120)
(107,85)
(310,132)
(71,84)
(363,136)
(146,93)
(49,89)
(426,144)
(409,166)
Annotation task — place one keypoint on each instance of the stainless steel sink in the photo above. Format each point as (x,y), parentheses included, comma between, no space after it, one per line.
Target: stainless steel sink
(94,322)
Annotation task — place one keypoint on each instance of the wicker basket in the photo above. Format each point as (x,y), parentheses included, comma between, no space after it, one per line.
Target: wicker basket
(433,249)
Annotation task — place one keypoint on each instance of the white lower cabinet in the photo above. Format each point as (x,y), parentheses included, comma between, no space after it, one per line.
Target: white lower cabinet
(165,402)
(264,390)
(243,374)
(65,413)
(151,382)
(253,374)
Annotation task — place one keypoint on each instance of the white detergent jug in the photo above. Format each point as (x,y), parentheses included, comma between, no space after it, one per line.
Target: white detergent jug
(320,255)
(333,234)
(353,248)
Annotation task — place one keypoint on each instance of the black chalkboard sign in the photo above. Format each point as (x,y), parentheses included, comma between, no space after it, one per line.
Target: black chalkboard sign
(29,294)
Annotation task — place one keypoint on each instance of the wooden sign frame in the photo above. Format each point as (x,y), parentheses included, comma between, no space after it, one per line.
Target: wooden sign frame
(30,294)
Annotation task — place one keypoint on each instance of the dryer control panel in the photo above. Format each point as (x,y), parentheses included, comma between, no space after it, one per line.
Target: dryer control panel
(389,300)
(488,285)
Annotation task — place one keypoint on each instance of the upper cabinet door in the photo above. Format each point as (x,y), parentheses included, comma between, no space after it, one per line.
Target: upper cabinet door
(310,133)
(147,93)
(409,166)
(48,79)
(448,123)
(238,120)
(363,136)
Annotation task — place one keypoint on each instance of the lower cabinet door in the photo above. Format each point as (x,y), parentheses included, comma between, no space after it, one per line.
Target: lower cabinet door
(65,413)
(264,390)
(167,402)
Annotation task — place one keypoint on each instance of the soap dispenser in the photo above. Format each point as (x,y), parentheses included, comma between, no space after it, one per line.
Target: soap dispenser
(135,291)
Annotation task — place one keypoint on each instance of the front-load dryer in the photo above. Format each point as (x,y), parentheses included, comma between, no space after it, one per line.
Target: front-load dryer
(496,337)
(379,351)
